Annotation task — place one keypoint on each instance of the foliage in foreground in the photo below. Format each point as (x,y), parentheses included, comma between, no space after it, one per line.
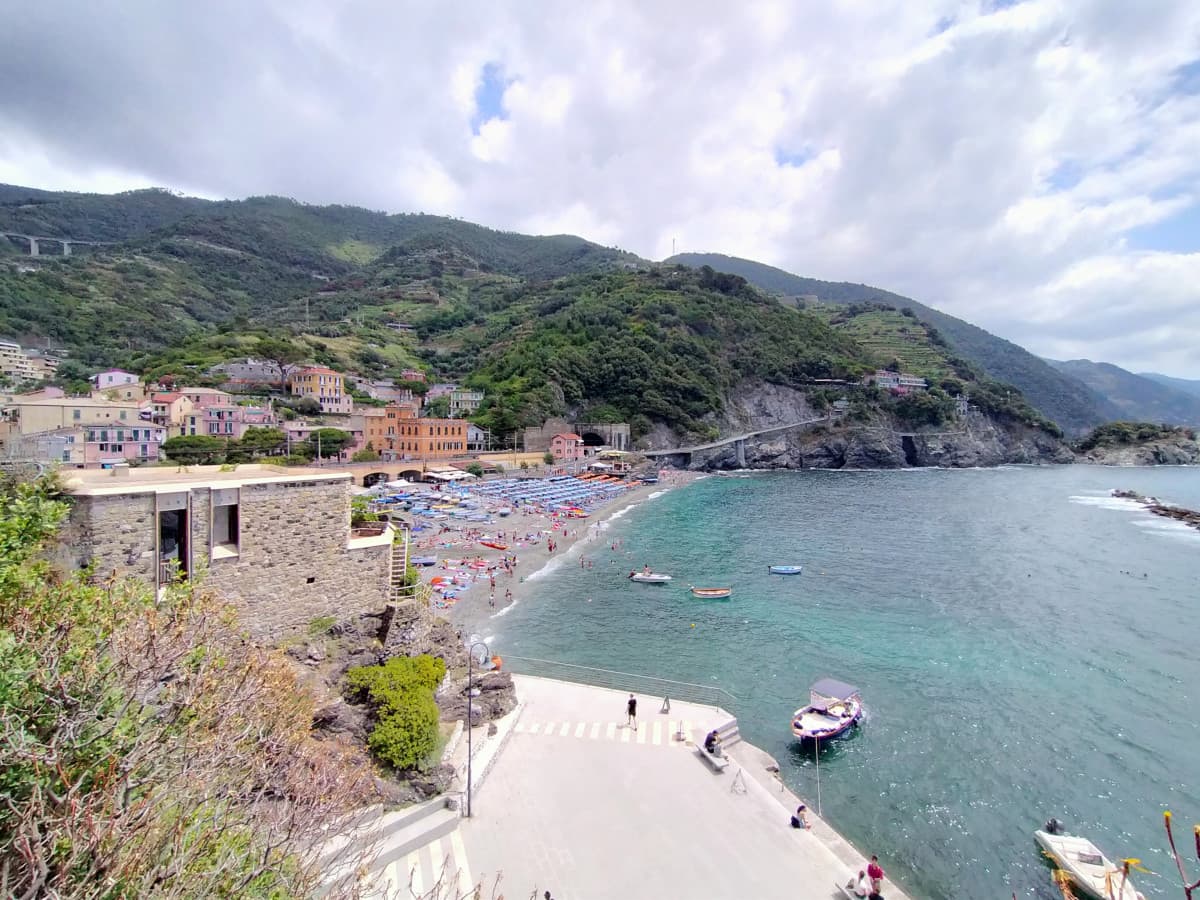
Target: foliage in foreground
(401,694)
(146,750)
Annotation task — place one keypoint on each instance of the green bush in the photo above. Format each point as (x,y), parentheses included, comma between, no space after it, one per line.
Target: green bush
(400,692)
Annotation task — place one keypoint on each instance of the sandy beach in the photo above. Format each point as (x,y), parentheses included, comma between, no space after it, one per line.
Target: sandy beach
(487,581)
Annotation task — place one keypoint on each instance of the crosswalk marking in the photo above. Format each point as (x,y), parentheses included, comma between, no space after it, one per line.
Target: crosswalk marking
(641,733)
(579,729)
(595,731)
(465,882)
(533,729)
(519,727)
(611,731)
(626,734)
(565,730)
(658,730)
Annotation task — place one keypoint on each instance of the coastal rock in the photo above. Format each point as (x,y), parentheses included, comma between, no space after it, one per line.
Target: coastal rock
(429,784)
(1179,451)
(341,718)
(497,698)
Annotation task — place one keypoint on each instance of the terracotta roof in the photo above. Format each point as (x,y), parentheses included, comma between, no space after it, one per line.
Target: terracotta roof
(317,370)
(165,398)
(568,436)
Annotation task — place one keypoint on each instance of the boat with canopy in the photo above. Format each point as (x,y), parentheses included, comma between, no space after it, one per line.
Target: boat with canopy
(834,708)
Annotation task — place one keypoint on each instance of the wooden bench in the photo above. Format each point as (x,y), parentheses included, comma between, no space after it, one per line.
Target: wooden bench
(718,763)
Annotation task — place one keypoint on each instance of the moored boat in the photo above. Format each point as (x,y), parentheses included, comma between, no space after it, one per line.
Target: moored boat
(834,708)
(785,570)
(712,593)
(1091,871)
(424,560)
(495,545)
(649,577)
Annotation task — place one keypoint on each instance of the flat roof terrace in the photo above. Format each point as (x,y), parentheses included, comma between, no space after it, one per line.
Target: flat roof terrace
(159,479)
(580,805)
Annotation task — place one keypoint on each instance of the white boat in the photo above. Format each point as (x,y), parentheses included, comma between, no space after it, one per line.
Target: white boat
(649,577)
(833,708)
(785,570)
(1091,871)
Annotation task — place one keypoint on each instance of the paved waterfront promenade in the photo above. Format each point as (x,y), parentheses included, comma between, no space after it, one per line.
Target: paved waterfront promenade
(579,805)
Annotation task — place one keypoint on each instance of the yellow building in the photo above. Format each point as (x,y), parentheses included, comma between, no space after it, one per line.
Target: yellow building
(325,386)
(32,416)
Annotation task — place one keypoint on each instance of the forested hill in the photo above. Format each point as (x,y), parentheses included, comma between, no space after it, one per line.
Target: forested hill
(1065,399)
(1140,399)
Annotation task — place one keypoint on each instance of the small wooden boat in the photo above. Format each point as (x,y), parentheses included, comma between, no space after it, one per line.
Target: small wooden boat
(495,545)
(712,593)
(785,570)
(424,560)
(1093,873)
(649,577)
(834,708)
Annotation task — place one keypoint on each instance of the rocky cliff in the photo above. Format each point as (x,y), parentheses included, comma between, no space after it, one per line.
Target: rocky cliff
(1169,451)
(879,442)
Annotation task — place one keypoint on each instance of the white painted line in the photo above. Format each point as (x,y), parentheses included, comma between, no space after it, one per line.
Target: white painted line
(437,857)
(595,731)
(465,883)
(412,868)
(533,729)
(579,729)
(519,727)
(626,734)
(641,733)
(549,729)
(658,734)
(565,730)
(611,731)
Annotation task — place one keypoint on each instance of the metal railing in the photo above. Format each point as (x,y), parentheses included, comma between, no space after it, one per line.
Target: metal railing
(703,694)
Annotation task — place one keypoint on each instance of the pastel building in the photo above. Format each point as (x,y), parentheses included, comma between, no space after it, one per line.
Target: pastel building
(566,446)
(897,382)
(325,386)
(111,378)
(464,402)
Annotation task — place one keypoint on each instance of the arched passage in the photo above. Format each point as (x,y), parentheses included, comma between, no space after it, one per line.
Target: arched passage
(591,439)
(373,478)
(412,475)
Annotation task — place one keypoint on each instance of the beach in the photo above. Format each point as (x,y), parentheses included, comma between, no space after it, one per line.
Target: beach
(484,582)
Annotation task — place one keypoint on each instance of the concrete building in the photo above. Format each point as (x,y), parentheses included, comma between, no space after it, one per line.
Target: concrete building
(276,542)
(325,386)
(464,403)
(566,447)
(439,390)
(110,378)
(15,365)
(898,382)
(49,414)
(399,434)
(248,373)
(478,439)
(385,389)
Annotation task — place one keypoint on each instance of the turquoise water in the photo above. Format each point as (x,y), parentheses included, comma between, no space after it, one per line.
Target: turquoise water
(1025,646)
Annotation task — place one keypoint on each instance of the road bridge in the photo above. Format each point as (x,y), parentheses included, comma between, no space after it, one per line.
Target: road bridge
(738,440)
(35,242)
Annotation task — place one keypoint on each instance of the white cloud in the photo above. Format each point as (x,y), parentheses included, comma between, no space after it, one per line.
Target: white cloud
(993,164)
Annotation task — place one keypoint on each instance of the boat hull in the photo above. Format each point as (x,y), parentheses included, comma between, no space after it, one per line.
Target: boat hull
(712,593)
(819,723)
(650,579)
(1068,852)
(785,570)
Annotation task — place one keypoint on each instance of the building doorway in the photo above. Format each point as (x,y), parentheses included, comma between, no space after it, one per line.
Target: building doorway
(172,545)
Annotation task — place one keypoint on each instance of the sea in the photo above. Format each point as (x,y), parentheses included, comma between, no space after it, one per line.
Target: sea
(1026,645)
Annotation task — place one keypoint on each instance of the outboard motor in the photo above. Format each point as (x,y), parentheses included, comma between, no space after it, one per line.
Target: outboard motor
(1054,827)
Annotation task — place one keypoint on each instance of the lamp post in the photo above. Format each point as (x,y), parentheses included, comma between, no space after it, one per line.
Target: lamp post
(470,697)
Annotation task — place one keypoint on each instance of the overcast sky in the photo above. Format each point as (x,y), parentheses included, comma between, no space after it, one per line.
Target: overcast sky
(1033,167)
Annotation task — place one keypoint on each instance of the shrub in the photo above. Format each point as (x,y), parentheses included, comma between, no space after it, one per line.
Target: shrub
(400,692)
(475,469)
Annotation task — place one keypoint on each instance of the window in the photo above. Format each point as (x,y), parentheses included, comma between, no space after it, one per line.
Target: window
(226,525)
(122,415)
(76,414)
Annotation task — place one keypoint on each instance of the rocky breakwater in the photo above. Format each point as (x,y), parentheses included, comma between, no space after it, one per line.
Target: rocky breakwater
(405,628)
(1187,516)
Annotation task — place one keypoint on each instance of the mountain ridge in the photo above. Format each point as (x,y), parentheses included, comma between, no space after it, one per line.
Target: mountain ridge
(1139,398)
(1066,400)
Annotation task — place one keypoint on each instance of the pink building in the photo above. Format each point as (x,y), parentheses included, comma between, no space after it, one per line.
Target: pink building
(412,375)
(566,446)
(106,446)
(206,397)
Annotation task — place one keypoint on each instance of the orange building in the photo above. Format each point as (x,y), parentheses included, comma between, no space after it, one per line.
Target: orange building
(395,431)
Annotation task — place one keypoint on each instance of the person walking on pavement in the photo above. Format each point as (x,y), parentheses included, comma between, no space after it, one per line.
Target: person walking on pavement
(875,873)
(631,711)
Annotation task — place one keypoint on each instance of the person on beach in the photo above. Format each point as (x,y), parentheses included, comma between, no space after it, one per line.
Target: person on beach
(875,873)
(631,712)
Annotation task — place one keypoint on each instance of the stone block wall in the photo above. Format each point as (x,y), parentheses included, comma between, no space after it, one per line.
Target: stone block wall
(293,563)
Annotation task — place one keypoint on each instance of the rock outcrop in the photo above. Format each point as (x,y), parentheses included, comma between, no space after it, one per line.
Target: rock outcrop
(1152,504)
(1172,451)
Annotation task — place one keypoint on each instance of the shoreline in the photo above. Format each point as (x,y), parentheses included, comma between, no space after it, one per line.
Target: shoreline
(527,534)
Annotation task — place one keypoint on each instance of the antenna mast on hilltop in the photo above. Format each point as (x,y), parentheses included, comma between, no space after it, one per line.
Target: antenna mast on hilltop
(672,246)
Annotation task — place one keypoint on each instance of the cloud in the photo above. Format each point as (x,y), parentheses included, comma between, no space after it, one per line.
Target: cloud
(1012,164)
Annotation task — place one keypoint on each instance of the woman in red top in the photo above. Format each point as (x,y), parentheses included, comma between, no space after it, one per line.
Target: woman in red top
(875,873)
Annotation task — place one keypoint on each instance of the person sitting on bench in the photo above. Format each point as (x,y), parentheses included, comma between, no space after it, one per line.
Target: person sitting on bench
(712,743)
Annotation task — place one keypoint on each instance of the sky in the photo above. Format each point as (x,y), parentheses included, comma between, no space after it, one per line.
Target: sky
(1032,167)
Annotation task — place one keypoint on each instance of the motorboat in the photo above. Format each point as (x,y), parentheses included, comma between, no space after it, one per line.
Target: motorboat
(785,570)
(649,577)
(834,708)
(1092,872)
(712,593)
(424,561)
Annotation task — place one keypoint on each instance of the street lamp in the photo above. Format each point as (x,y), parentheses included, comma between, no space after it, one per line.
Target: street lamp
(470,696)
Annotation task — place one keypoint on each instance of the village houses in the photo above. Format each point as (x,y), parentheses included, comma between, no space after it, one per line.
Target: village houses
(566,446)
(325,386)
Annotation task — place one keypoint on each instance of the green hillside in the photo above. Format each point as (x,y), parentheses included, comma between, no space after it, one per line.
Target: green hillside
(1059,396)
(1187,385)
(1139,399)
